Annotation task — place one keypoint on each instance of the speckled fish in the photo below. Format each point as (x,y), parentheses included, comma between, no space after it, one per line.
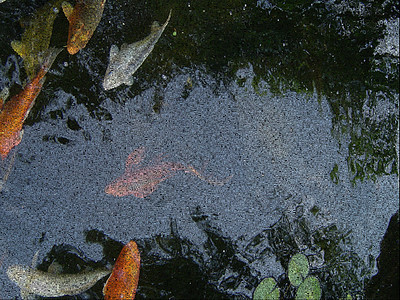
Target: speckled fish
(36,38)
(16,109)
(35,282)
(123,63)
(122,283)
(141,182)
(83,19)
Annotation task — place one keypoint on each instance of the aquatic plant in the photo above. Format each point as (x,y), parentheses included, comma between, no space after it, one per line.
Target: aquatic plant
(308,286)
(267,289)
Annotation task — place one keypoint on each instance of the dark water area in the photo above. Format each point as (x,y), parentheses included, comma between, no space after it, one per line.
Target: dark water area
(297,101)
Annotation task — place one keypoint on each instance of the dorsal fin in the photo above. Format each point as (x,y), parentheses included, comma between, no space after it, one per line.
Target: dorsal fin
(155,26)
(113,51)
(18,47)
(3,97)
(35,260)
(134,158)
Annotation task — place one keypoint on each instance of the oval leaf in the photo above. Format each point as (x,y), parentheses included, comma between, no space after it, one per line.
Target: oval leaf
(298,269)
(267,289)
(310,289)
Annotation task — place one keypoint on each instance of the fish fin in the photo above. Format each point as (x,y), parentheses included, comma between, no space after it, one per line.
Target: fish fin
(25,294)
(67,9)
(18,47)
(35,260)
(191,169)
(129,80)
(165,24)
(3,97)
(49,56)
(113,51)
(135,157)
(155,26)
(143,193)
(55,268)
(169,16)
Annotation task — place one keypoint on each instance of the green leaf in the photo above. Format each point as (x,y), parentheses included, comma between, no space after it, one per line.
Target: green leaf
(310,289)
(266,290)
(298,269)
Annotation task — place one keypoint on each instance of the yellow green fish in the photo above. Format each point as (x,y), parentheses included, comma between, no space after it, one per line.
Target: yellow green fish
(36,38)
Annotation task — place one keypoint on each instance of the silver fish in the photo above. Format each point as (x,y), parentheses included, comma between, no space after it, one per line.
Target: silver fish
(35,282)
(123,63)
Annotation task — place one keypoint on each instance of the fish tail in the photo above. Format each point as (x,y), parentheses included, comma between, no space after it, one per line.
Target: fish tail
(49,57)
(192,170)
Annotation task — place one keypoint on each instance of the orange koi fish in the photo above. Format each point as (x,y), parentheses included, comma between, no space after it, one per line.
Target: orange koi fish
(16,110)
(141,182)
(83,20)
(124,278)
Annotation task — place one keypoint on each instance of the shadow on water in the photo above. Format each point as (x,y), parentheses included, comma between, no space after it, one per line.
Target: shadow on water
(308,47)
(173,267)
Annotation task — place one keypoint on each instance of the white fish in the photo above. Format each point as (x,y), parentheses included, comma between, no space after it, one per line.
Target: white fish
(123,63)
(35,282)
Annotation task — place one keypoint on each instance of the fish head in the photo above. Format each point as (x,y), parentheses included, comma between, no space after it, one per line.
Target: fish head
(112,79)
(18,274)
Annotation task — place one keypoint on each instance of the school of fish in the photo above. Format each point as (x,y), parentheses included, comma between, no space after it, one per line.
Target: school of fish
(140,182)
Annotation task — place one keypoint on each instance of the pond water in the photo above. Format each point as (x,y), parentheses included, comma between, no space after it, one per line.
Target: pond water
(297,130)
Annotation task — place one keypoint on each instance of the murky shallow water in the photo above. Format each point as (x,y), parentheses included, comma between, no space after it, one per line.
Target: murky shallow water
(279,149)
